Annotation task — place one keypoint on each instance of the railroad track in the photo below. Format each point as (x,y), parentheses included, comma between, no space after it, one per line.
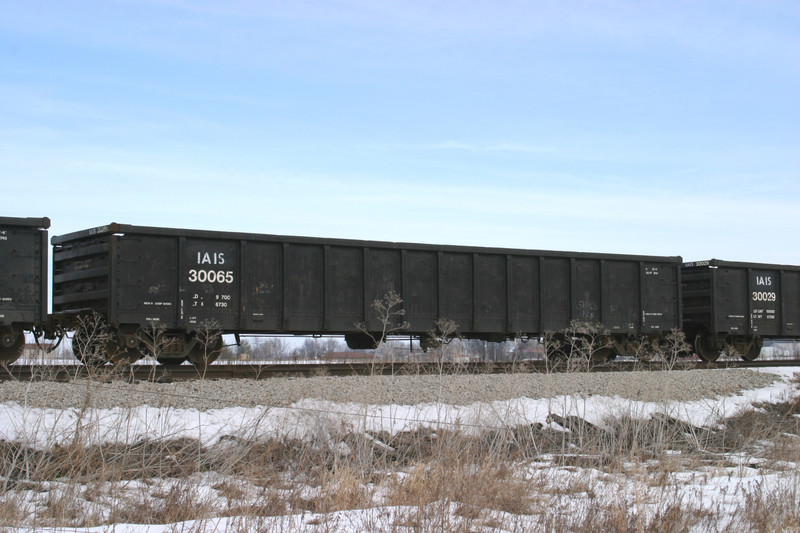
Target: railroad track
(165,373)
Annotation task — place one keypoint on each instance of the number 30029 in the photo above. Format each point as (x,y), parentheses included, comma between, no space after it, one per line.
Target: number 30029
(759,296)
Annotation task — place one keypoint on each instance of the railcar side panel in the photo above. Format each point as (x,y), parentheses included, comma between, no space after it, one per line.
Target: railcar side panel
(420,289)
(144,280)
(344,287)
(455,288)
(384,275)
(620,296)
(208,283)
(23,270)
(491,306)
(303,289)
(556,293)
(585,290)
(763,295)
(523,294)
(262,286)
(731,309)
(790,303)
(661,301)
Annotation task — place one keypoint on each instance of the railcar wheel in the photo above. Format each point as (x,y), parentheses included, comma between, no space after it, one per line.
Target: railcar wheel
(361,341)
(97,352)
(123,356)
(645,353)
(603,355)
(89,350)
(706,347)
(557,347)
(203,354)
(752,350)
(642,349)
(166,348)
(11,347)
(426,342)
(125,348)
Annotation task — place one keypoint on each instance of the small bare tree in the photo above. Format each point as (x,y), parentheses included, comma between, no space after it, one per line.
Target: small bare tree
(389,312)
(644,348)
(208,345)
(440,337)
(157,345)
(579,346)
(672,346)
(92,340)
(155,341)
(274,348)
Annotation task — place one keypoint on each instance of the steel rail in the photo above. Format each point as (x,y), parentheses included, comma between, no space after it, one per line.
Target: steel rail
(164,373)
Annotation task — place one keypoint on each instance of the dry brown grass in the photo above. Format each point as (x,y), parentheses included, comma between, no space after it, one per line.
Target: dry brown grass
(626,474)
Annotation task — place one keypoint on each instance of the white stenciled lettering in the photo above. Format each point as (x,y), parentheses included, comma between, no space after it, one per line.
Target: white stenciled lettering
(210,276)
(764,280)
(210,258)
(760,296)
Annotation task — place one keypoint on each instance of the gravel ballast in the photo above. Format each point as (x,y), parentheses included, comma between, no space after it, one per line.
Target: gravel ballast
(378,390)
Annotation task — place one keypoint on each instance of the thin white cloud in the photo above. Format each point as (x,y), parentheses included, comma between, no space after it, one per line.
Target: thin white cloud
(496,147)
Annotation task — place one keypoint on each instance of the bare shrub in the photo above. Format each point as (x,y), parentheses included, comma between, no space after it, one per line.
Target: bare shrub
(673,346)
(155,343)
(578,347)
(440,339)
(207,347)
(12,508)
(389,313)
(341,489)
(92,339)
(624,514)
(179,500)
(752,428)
(771,508)
(461,469)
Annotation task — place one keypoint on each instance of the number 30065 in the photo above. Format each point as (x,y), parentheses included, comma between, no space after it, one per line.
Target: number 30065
(211,276)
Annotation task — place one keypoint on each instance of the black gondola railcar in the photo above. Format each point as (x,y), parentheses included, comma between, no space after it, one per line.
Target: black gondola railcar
(732,307)
(185,280)
(23,281)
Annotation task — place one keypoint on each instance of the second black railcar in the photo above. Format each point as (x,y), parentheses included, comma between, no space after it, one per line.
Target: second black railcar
(732,307)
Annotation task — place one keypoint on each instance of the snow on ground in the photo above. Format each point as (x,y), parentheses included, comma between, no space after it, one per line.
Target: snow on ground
(41,428)
(37,427)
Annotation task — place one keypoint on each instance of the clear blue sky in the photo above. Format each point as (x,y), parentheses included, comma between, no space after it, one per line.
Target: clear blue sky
(642,127)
